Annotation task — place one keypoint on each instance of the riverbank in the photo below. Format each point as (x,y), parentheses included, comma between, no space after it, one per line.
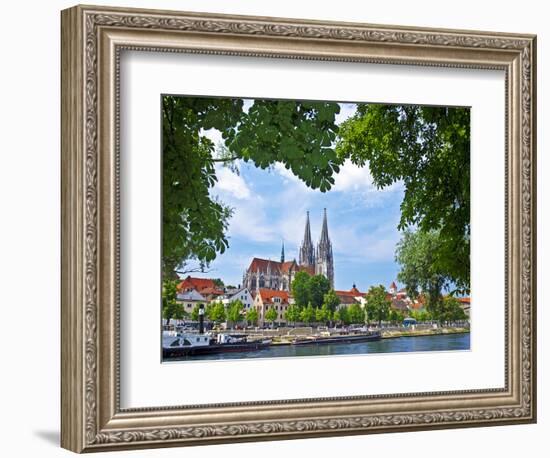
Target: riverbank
(394,334)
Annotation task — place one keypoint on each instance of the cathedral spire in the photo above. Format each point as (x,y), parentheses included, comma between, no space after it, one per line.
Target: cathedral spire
(307,253)
(324,230)
(307,232)
(324,260)
(283,252)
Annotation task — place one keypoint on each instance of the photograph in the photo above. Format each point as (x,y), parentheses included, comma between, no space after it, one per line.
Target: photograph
(303,228)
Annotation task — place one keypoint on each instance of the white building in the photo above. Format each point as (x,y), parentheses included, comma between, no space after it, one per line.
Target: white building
(242,294)
(189,299)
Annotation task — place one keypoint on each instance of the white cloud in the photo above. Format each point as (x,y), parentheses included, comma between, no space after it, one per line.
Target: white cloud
(231,183)
(353,178)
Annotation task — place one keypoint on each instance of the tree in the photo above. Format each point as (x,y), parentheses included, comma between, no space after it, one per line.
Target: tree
(395,316)
(341,315)
(271,315)
(218,312)
(300,289)
(292,314)
(451,310)
(307,315)
(252,316)
(218,283)
(323,314)
(417,254)
(427,149)
(300,135)
(209,311)
(421,315)
(234,314)
(378,304)
(318,286)
(170,307)
(331,300)
(356,314)
(309,289)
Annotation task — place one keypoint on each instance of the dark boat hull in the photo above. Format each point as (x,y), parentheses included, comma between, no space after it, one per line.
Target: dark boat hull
(213,349)
(339,339)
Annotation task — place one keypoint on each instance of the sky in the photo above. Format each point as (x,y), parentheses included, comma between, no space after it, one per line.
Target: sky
(270,207)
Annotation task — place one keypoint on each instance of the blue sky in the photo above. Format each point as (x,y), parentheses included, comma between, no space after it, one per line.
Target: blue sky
(270,206)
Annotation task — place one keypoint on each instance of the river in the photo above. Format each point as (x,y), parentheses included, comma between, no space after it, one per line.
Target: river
(444,342)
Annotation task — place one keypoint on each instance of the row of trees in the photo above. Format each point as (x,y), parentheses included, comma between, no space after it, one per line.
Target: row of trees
(377,308)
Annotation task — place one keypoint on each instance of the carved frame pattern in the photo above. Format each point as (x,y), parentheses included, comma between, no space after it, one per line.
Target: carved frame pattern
(91,416)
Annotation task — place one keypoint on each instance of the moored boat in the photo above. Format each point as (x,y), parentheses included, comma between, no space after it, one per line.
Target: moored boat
(188,344)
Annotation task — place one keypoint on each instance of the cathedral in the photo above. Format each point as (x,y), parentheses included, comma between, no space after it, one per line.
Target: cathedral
(265,273)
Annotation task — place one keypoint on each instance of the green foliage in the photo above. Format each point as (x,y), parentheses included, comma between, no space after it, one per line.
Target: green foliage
(193,223)
(234,314)
(451,310)
(420,315)
(323,314)
(292,314)
(395,316)
(218,312)
(341,315)
(331,300)
(309,289)
(218,282)
(271,315)
(428,150)
(378,304)
(300,289)
(307,314)
(356,314)
(300,135)
(209,311)
(417,253)
(252,316)
(318,287)
(170,307)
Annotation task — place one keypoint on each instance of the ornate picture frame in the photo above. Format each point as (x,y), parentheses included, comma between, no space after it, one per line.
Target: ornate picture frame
(92,41)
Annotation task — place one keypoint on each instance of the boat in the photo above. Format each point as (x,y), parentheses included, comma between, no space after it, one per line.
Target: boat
(179,344)
(339,339)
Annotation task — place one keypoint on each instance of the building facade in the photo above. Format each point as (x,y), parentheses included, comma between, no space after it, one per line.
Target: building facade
(279,275)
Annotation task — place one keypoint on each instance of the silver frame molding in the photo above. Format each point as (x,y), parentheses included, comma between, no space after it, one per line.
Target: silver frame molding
(92,40)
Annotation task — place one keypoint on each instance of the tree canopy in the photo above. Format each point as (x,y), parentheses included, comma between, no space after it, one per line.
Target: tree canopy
(417,253)
(427,149)
(300,135)
(378,304)
(310,289)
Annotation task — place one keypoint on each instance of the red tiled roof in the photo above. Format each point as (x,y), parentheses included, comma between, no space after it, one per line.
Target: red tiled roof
(353,292)
(464,300)
(345,299)
(261,265)
(196,283)
(278,267)
(267,295)
(286,266)
(213,291)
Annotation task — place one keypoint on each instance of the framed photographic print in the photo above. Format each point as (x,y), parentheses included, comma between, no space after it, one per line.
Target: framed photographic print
(277,228)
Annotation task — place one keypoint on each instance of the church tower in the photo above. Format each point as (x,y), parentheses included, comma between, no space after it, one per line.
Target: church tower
(307,253)
(324,261)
